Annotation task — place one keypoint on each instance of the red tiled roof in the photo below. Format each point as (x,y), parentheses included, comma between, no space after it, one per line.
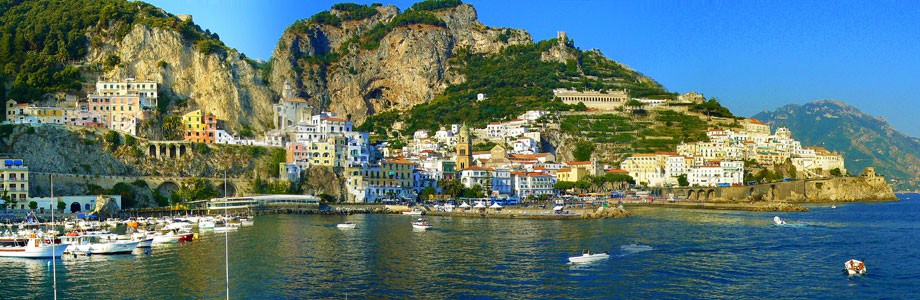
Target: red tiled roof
(617,171)
(755,121)
(578,163)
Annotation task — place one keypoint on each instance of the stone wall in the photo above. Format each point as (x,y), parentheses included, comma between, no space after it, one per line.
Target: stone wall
(841,189)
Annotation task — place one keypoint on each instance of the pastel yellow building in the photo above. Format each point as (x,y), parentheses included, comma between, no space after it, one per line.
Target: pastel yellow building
(14,181)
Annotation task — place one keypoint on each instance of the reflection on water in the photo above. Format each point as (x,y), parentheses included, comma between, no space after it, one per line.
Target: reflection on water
(662,253)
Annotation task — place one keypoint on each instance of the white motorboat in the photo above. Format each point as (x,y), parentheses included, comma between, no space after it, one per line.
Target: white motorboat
(779,221)
(855,267)
(206,224)
(168,237)
(421,224)
(99,244)
(31,247)
(587,257)
(414,212)
(346,225)
(833,206)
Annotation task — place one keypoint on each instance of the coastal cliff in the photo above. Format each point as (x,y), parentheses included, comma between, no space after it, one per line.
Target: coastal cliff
(220,82)
(360,67)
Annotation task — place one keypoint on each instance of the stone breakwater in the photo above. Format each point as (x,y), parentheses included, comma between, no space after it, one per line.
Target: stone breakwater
(538,214)
(756,206)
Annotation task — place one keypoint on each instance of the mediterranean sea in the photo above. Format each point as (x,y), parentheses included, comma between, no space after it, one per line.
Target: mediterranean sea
(678,254)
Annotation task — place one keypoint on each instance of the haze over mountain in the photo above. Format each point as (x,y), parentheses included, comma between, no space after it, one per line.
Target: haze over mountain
(864,140)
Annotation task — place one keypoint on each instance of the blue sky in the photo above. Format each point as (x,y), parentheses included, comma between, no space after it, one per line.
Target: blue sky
(752,55)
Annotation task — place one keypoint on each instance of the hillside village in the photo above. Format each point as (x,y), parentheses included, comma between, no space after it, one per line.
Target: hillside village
(444,162)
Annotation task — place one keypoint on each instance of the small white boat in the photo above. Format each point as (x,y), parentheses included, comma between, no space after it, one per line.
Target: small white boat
(855,267)
(779,221)
(205,224)
(346,225)
(587,257)
(32,247)
(421,224)
(833,206)
(99,244)
(414,212)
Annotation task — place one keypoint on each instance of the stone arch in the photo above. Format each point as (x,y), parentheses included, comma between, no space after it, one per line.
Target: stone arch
(75,207)
(167,188)
(681,194)
(710,194)
(86,207)
(231,189)
(182,151)
(701,194)
(152,150)
(691,195)
(173,153)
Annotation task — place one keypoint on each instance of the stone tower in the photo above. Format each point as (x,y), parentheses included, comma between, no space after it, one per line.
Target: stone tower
(288,90)
(464,148)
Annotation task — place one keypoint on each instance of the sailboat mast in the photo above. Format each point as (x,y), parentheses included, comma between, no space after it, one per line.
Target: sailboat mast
(226,238)
(53,263)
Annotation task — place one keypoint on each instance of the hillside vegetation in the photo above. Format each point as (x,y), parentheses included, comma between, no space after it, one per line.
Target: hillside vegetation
(39,39)
(516,80)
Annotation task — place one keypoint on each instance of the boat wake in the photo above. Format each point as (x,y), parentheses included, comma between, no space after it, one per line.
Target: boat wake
(634,248)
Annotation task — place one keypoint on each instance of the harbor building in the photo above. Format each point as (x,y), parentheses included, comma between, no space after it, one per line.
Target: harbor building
(14,181)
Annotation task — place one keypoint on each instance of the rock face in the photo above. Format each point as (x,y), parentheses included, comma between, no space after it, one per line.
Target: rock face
(106,206)
(410,65)
(322,180)
(220,83)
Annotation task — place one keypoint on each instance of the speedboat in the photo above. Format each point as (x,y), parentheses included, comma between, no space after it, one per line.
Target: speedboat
(833,206)
(346,225)
(31,247)
(421,224)
(779,221)
(855,267)
(587,257)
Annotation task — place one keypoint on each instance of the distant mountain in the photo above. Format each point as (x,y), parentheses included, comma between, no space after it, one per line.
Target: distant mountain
(864,140)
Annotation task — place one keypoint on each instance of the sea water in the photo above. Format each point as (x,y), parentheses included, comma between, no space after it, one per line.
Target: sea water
(656,254)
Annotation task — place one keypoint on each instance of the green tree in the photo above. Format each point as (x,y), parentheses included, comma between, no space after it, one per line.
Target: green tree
(427,192)
(33,205)
(563,185)
(836,172)
(61,205)
(128,197)
(582,185)
(475,191)
(682,180)
(583,150)
(451,187)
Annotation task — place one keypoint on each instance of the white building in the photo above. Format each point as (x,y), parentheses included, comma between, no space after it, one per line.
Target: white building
(474,175)
(146,91)
(724,173)
(532,184)
(291,111)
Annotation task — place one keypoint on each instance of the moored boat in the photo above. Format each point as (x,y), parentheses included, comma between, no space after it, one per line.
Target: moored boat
(99,244)
(587,257)
(31,247)
(414,212)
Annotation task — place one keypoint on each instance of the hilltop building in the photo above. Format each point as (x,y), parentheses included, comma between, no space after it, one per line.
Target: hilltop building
(609,100)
